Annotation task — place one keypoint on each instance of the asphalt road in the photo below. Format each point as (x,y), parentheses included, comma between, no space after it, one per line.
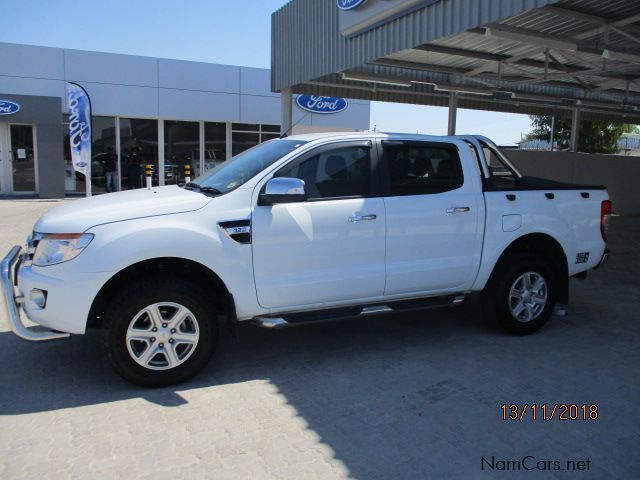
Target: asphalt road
(415,396)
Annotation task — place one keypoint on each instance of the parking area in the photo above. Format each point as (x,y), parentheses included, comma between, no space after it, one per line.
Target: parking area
(414,396)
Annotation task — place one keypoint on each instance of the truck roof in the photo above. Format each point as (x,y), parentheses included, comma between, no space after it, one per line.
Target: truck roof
(309,137)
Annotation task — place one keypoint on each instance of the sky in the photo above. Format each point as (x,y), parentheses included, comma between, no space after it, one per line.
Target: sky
(234,32)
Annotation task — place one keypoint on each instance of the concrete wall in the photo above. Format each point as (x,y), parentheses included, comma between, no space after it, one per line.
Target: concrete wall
(620,174)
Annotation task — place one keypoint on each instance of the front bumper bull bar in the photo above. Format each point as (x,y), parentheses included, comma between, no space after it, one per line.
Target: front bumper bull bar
(12,302)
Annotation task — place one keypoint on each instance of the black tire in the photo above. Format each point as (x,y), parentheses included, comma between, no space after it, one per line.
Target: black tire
(131,300)
(496,301)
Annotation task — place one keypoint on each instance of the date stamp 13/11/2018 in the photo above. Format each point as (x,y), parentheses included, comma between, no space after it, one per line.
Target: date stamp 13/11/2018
(548,412)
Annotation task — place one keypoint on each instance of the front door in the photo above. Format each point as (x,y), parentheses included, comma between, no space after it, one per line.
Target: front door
(17,159)
(329,248)
(433,211)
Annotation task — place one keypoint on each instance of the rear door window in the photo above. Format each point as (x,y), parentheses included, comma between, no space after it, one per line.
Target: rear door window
(415,168)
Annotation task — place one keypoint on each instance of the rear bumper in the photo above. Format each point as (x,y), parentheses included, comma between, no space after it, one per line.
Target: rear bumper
(12,301)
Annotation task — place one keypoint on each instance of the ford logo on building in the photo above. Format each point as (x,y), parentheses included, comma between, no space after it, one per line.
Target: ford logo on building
(320,104)
(7,107)
(349,4)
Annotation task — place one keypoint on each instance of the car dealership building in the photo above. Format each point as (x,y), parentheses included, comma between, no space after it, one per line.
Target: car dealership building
(167,113)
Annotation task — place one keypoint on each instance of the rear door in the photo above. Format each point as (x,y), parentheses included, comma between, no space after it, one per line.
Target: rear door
(331,247)
(434,210)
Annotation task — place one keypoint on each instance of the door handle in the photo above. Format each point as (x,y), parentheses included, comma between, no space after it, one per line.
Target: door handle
(360,218)
(458,210)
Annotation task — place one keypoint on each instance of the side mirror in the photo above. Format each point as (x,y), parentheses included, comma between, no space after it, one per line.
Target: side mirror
(283,190)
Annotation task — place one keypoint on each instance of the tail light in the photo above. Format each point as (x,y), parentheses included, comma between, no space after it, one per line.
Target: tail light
(605,215)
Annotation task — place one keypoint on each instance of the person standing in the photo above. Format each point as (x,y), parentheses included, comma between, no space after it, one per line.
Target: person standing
(133,170)
(111,171)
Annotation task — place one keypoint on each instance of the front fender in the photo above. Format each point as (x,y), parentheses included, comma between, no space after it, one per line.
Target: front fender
(117,246)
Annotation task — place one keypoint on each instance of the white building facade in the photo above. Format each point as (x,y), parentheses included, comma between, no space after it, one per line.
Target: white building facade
(146,111)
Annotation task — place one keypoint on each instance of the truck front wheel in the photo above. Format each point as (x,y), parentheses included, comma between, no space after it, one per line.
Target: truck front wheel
(159,331)
(521,293)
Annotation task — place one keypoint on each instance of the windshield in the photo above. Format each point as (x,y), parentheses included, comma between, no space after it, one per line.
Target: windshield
(241,168)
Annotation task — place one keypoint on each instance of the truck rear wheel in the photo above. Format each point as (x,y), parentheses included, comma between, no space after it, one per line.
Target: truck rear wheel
(521,293)
(159,331)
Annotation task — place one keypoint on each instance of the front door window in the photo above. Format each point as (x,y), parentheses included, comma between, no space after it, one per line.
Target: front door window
(338,173)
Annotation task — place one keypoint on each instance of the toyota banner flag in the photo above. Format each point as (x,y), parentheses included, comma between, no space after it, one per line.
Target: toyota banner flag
(80,131)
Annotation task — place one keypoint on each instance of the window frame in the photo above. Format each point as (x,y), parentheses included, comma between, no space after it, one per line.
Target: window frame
(384,166)
(375,184)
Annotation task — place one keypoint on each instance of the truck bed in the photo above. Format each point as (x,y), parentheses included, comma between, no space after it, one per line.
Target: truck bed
(498,184)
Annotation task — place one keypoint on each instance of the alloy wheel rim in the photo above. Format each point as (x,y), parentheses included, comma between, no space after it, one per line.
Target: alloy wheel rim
(528,296)
(162,336)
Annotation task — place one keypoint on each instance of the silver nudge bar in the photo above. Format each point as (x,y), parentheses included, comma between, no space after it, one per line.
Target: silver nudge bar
(11,303)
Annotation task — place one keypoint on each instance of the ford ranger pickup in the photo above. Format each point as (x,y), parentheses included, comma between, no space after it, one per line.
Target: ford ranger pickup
(302,229)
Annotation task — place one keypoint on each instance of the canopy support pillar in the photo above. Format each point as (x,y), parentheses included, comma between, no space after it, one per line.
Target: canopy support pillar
(287,111)
(575,129)
(453,113)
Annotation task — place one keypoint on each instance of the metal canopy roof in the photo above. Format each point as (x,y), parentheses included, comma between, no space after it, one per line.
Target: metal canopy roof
(520,56)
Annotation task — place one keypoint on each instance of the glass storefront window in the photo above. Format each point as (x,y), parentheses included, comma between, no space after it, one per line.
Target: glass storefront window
(269,132)
(270,128)
(242,141)
(104,163)
(244,136)
(181,148)
(215,141)
(245,127)
(103,157)
(138,147)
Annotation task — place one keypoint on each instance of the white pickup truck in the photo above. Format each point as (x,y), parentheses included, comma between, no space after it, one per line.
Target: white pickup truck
(301,229)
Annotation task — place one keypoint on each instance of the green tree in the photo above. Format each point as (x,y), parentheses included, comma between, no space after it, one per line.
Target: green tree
(595,136)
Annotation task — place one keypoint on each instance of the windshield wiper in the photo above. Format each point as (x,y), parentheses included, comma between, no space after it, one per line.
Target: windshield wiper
(201,189)
(210,190)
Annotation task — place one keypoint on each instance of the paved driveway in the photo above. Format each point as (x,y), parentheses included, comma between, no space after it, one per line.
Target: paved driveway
(403,397)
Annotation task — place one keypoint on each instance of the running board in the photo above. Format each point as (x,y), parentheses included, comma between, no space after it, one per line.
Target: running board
(358,311)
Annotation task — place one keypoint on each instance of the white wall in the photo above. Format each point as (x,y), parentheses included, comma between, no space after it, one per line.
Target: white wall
(127,85)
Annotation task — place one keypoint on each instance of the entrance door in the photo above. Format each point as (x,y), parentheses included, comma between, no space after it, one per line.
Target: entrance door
(22,159)
(4,159)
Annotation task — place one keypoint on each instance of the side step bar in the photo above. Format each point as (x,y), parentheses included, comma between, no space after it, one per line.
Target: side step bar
(358,311)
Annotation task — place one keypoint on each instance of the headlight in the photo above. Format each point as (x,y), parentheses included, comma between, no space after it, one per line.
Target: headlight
(56,248)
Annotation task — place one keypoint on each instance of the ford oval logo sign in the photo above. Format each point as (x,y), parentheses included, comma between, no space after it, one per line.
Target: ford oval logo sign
(349,4)
(7,107)
(320,104)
